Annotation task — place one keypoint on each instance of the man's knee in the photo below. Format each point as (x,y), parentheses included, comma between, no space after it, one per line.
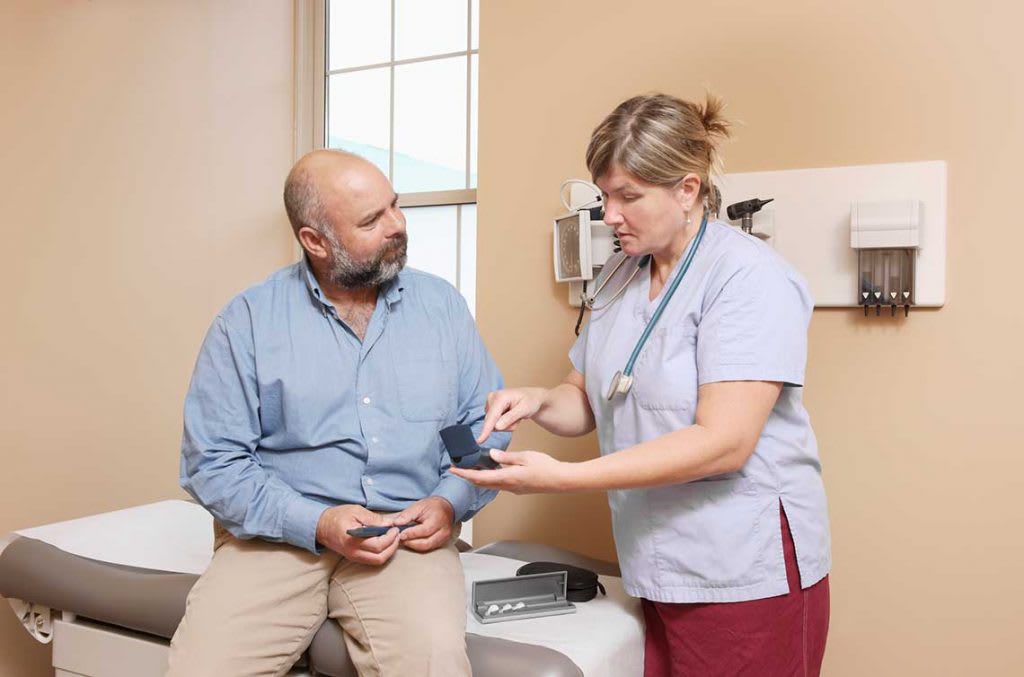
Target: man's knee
(437,651)
(194,656)
(198,659)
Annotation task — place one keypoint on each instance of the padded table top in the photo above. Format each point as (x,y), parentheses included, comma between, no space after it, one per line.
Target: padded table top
(153,602)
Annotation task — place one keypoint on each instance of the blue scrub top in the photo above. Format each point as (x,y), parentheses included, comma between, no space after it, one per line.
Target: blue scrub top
(740,314)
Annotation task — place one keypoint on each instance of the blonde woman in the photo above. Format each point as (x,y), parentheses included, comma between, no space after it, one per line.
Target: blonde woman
(707,453)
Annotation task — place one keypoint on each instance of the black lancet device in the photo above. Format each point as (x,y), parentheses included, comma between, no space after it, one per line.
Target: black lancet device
(465,452)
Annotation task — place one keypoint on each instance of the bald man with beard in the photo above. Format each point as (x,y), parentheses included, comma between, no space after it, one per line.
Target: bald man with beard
(314,408)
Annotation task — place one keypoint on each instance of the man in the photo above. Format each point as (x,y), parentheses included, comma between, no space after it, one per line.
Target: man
(315,408)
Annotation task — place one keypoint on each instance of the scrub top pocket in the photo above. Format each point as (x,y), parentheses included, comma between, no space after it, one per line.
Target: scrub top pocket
(665,376)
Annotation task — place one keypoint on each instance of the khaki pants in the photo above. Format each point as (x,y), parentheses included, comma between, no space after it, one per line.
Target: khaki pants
(257,607)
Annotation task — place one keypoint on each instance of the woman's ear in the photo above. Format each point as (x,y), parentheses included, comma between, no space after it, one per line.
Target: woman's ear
(687,192)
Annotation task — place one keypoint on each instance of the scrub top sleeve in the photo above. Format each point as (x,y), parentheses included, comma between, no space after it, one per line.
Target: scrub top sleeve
(755,328)
(578,352)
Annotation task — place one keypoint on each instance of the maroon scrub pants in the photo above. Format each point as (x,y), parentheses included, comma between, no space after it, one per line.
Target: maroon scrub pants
(777,636)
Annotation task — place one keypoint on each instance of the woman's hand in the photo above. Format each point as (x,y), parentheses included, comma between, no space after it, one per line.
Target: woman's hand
(506,408)
(523,472)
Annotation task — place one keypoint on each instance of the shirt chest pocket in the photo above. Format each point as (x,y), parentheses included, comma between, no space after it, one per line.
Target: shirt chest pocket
(665,375)
(426,385)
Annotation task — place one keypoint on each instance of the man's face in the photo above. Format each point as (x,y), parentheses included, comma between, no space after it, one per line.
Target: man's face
(367,239)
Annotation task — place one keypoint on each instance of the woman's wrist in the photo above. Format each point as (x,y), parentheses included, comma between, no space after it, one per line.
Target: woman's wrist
(542,396)
(570,476)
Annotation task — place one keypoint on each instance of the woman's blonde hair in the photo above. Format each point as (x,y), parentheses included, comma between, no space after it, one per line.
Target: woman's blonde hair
(660,139)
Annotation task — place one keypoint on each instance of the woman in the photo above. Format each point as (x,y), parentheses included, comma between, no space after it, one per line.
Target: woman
(707,452)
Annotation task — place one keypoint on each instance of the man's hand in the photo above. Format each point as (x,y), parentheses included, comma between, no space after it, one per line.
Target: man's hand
(334,522)
(435,516)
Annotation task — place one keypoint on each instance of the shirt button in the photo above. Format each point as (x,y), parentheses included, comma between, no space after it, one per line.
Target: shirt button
(368,480)
(374,440)
(366,400)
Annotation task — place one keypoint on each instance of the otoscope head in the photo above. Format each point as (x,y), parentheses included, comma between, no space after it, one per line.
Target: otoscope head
(738,210)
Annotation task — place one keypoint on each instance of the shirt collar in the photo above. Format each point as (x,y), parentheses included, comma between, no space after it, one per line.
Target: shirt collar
(315,292)
(392,290)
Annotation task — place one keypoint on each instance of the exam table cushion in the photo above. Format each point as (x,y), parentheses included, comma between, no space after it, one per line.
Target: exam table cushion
(153,602)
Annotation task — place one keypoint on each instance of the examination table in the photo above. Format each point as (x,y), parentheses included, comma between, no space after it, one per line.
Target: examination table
(109,590)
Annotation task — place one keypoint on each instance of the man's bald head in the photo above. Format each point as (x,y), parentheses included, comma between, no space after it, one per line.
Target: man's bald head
(346,217)
(312,175)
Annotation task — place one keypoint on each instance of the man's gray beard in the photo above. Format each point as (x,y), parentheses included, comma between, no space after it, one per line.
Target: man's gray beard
(349,273)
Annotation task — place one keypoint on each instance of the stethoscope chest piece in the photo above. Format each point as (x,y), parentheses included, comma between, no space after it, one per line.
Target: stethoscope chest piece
(623,380)
(621,383)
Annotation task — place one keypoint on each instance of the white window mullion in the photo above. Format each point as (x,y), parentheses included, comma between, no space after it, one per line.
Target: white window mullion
(469,89)
(391,123)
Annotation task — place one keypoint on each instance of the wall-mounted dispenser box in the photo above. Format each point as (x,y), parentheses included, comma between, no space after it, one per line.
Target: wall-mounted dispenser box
(886,236)
(841,226)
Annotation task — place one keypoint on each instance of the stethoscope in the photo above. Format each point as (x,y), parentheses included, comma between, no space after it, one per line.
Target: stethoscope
(623,380)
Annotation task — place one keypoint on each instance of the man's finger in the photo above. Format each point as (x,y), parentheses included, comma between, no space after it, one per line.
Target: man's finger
(421,545)
(377,559)
(390,552)
(430,543)
(372,519)
(411,514)
(417,532)
(380,543)
(430,520)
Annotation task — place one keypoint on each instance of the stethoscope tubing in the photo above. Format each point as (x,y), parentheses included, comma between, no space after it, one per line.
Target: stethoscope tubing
(589,302)
(628,371)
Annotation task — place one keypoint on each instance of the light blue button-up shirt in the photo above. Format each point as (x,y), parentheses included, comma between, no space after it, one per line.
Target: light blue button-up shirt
(740,314)
(289,413)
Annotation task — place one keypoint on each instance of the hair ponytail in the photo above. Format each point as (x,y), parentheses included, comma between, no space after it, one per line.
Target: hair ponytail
(660,139)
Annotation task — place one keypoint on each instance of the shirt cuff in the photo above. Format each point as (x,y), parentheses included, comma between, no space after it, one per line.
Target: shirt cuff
(459,493)
(300,520)
(738,372)
(496,440)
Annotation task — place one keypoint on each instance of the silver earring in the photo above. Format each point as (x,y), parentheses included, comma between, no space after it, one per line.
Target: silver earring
(689,220)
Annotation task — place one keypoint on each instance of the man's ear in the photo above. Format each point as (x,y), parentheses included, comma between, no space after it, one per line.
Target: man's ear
(313,242)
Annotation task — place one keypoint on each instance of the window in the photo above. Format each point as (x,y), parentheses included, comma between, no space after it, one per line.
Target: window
(398,85)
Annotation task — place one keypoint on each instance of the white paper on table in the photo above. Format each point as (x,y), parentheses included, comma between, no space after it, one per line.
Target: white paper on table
(605,637)
(174,536)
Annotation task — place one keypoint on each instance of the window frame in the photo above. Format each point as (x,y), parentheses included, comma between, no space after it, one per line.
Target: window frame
(310,121)
(312,74)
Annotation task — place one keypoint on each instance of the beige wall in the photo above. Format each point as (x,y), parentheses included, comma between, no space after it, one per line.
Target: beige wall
(142,152)
(919,421)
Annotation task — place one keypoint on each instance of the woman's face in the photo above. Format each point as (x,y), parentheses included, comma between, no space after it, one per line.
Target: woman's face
(647,218)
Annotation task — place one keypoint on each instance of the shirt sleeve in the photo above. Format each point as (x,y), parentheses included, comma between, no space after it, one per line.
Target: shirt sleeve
(219,467)
(478,376)
(755,327)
